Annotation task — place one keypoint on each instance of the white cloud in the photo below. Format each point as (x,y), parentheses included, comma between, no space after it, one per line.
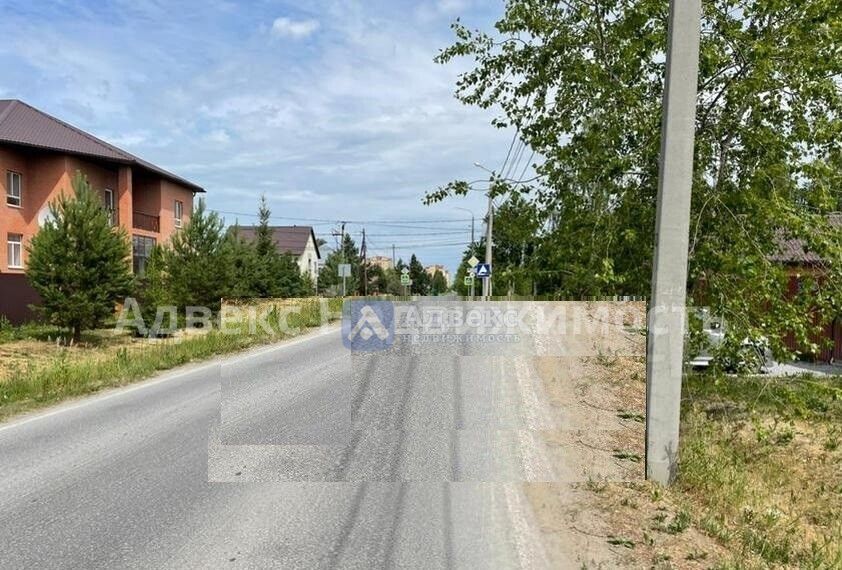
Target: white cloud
(286,27)
(452,6)
(219,136)
(354,124)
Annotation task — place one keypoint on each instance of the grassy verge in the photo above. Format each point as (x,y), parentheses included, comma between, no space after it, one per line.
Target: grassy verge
(46,373)
(762,465)
(759,483)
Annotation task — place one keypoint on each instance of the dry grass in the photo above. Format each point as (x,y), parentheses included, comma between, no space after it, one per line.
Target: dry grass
(36,370)
(759,485)
(19,356)
(762,463)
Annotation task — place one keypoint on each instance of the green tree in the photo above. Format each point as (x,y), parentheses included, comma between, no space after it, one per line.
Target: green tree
(199,262)
(438,284)
(273,273)
(393,279)
(244,263)
(476,249)
(582,84)
(329,275)
(420,278)
(516,241)
(78,263)
(378,282)
(152,289)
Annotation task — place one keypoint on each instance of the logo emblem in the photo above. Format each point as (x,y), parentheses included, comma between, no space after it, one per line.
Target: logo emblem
(368,326)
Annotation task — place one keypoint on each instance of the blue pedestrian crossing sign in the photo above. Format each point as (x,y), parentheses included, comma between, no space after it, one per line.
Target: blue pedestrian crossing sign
(483,270)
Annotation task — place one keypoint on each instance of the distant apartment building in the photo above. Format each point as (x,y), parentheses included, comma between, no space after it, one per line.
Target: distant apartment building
(298,241)
(39,155)
(432,269)
(381,261)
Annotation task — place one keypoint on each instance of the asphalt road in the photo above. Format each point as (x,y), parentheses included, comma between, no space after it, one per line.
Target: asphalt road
(299,456)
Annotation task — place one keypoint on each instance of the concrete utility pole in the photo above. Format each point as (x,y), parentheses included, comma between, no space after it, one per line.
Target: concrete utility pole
(342,252)
(365,266)
(665,347)
(486,283)
(472,220)
(473,241)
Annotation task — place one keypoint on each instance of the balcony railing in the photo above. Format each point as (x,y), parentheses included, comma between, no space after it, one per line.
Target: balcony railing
(141,221)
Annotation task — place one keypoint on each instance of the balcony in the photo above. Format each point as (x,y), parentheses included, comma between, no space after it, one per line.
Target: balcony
(141,221)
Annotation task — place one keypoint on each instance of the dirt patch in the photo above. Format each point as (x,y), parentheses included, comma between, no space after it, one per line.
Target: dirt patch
(651,528)
(596,394)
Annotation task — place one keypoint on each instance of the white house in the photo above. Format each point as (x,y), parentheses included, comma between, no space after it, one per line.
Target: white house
(299,241)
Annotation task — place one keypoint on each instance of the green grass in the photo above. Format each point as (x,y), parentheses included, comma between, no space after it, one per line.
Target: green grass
(33,331)
(62,377)
(760,466)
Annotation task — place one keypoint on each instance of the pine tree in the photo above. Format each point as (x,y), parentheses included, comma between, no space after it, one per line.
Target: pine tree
(152,291)
(420,278)
(274,273)
(78,263)
(243,264)
(199,262)
(438,284)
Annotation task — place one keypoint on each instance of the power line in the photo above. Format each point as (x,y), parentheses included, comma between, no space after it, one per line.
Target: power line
(424,245)
(361,222)
(414,234)
(526,166)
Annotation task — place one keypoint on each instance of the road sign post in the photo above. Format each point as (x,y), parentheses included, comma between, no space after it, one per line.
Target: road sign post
(472,263)
(665,347)
(469,282)
(344,271)
(405,281)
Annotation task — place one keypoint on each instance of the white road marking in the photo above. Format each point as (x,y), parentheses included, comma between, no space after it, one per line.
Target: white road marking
(528,543)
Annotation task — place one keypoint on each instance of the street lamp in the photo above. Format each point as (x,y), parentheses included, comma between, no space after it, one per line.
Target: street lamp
(478,165)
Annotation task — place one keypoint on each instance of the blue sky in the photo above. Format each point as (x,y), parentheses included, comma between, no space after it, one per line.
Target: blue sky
(334,109)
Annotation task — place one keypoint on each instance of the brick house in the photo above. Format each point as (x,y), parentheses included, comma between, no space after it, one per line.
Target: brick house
(39,155)
(800,262)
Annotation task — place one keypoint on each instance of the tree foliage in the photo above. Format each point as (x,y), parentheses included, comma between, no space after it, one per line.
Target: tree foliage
(260,270)
(419,277)
(198,261)
(582,83)
(205,263)
(329,275)
(78,263)
(438,284)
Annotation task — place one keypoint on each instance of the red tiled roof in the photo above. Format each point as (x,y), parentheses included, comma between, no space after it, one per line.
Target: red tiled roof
(288,239)
(24,125)
(795,250)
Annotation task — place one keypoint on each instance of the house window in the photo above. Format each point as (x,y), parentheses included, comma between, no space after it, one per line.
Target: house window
(141,250)
(178,211)
(13,188)
(108,196)
(15,251)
